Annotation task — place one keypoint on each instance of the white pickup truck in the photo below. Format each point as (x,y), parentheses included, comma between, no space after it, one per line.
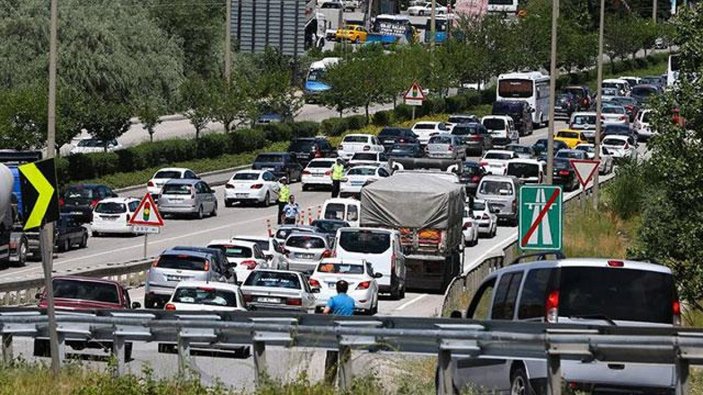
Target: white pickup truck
(353,143)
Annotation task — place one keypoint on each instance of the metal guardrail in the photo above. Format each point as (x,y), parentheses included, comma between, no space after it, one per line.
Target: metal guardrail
(189,332)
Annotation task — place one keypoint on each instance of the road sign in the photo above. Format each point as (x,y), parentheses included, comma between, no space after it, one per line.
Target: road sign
(541,218)
(414,95)
(39,197)
(147,215)
(585,169)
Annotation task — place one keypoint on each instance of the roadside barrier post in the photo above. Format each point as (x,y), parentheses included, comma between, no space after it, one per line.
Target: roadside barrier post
(331,357)
(260,363)
(554,374)
(310,219)
(268,228)
(345,374)
(183,353)
(7,348)
(444,371)
(682,366)
(118,351)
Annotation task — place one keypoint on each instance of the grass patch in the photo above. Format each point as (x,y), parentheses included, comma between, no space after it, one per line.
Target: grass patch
(598,233)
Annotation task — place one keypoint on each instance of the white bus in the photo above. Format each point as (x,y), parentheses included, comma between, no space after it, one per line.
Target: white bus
(672,70)
(531,87)
(502,7)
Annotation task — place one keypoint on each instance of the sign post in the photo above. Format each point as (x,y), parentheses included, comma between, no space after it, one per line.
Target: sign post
(414,97)
(585,170)
(541,222)
(147,219)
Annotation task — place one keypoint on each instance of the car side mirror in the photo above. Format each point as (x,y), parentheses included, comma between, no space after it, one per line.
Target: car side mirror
(455,314)
(377,275)
(315,290)
(136,305)
(495,210)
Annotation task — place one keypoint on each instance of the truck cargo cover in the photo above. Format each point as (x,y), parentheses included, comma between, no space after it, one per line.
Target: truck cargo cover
(412,201)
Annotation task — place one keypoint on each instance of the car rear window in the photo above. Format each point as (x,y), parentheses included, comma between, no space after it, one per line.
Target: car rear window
(301,146)
(181,262)
(570,154)
(246,176)
(493,123)
(340,268)
(329,226)
(616,142)
(231,251)
(334,211)
(86,290)
(643,91)
(613,110)
(460,130)
(390,133)
(110,208)
(523,169)
(497,155)
(305,242)
(269,158)
(321,164)
(205,295)
(425,126)
(471,170)
(263,244)
(260,278)
(492,187)
(568,135)
(363,156)
(616,293)
(584,120)
(561,163)
(361,171)
(365,241)
(646,117)
(440,140)
(176,189)
(79,192)
(167,174)
(356,139)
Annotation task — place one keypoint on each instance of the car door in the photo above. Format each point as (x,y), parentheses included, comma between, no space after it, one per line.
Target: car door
(72,230)
(271,184)
(201,191)
(210,195)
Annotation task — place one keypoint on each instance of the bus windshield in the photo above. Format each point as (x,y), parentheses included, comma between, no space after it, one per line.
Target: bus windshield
(515,88)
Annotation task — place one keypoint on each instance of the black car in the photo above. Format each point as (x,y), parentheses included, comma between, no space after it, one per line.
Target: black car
(471,176)
(281,164)
(68,233)
(564,174)
(392,136)
(642,93)
(304,149)
(463,118)
(80,200)
(519,111)
(583,96)
(540,146)
(329,227)
(566,104)
(475,136)
(406,151)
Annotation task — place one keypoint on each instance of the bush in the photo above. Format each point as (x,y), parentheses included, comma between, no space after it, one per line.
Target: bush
(382,118)
(305,129)
(84,166)
(334,126)
(356,122)
(432,106)
(246,140)
(455,104)
(403,113)
(626,193)
(277,131)
(213,145)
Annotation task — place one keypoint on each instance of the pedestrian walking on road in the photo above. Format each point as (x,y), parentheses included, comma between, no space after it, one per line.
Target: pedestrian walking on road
(283,197)
(291,212)
(337,175)
(342,304)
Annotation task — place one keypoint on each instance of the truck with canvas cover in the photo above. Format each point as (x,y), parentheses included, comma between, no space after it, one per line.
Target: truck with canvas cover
(428,212)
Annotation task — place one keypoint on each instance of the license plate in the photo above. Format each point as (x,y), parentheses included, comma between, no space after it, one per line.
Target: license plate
(175,278)
(306,256)
(318,175)
(241,195)
(268,300)
(75,213)
(495,165)
(332,285)
(109,218)
(357,183)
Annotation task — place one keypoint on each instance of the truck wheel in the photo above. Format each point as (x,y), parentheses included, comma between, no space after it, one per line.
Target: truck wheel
(395,291)
(84,241)
(22,254)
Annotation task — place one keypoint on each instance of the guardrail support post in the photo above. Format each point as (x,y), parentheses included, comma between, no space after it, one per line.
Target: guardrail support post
(118,351)
(62,347)
(331,359)
(345,375)
(183,353)
(554,374)
(445,379)
(260,363)
(682,376)
(7,348)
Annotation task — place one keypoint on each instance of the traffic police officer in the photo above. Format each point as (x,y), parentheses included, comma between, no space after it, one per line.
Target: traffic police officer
(337,175)
(283,196)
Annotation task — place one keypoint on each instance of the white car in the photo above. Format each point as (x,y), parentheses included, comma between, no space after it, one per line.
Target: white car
(358,176)
(257,186)
(353,143)
(529,171)
(164,175)
(318,172)
(206,296)
(426,9)
(643,125)
(606,159)
(485,217)
(620,147)
(370,159)
(496,161)
(615,114)
(425,130)
(469,228)
(586,122)
(361,277)
(92,145)
(111,215)
(622,86)
(502,129)
(243,256)
(271,249)
(632,81)
(278,290)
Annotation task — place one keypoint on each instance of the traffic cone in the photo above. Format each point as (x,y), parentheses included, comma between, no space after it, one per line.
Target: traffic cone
(319,212)
(310,216)
(268,228)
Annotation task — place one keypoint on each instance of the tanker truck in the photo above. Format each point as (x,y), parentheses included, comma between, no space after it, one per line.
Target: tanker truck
(13,242)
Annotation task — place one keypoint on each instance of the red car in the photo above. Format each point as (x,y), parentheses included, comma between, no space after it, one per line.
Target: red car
(73,293)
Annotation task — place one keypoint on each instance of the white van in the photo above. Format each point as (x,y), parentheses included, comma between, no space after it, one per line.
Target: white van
(381,248)
(342,209)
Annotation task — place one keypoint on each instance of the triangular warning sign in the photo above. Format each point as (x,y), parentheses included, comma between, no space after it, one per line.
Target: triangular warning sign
(147,214)
(415,92)
(585,169)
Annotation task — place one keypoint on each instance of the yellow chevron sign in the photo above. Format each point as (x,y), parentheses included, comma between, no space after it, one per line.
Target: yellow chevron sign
(40,203)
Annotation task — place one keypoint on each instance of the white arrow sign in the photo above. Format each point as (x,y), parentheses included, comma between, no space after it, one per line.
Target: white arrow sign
(585,169)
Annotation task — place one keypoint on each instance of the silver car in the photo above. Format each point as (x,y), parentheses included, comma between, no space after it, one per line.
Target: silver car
(187,197)
(446,146)
(502,193)
(305,250)
(278,290)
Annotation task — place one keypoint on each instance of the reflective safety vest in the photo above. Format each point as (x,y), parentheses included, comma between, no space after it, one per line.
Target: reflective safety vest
(337,172)
(284,193)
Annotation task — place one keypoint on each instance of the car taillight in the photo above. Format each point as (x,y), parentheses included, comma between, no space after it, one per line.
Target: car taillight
(364,285)
(340,147)
(249,264)
(367,148)
(170,307)
(564,173)
(206,266)
(327,254)
(450,148)
(467,225)
(676,310)
(476,138)
(229,186)
(613,263)
(485,216)
(552,306)
(623,118)
(155,263)
(294,302)
(306,173)
(328,172)
(61,202)
(475,178)
(248,298)
(314,283)
(257,186)
(401,140)
(483,163)
(317,154)
(94,203)
(514,205)
(627,146)
(150,184)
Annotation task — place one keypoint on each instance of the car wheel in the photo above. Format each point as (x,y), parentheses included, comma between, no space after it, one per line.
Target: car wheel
(96,234)
(306,188)
(494,231)
(22,254)
(519,384)
(66,244)
(357,41)
(421,13)
(228,203)
(266,201)
(199,214)
(395,292)
(402,292)
(84,241)
(213,213)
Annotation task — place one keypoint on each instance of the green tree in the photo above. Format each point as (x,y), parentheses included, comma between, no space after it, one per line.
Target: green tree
(197,99)
(106,121)
(344,94)
(23,118)
(149,111)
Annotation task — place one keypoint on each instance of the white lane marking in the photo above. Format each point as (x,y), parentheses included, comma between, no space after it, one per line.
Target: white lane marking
(406,304)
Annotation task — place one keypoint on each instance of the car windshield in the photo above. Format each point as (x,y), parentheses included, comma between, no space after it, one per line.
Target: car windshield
(356,139)
(301,146)
(364,156)
(261,278)
(165,174)
(182,262)
(615,142)
(232,251)
(328,226)
(494,123)
(498,155)
(518,169)
(340,268)
(569,154)
(78,192)
(86,290)
(425,126)
(643,91)
(440,140)
(584,120)
(205,295)
(246,177)
(613,110)
(176,189)
(362,171)
(642,296)
(492,187)
(320,164)
(110,208)
(520,149)
(365,241)
(568,135)
(307,242)
(269,158)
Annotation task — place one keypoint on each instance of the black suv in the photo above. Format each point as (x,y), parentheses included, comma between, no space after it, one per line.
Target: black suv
(281,164)
(79,200)
(392,136)
(583,96)
(519,111)
(304,149)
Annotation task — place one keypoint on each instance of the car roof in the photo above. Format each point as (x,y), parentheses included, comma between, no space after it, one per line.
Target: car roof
(343,200)
(209,284)
(498,151)
(181,181)
(87,279)
(273,153)
(495,117)
(119,200)
(181,169)
(586,113)
(343,261)
(616,137)
(233,242)
(498,178)
(250,237)
(86,186)
(278,271)
(359,135)
(251,171)
(586,262)
(186,251)
(570,130)
(523,160)
(308,234)
(332,221)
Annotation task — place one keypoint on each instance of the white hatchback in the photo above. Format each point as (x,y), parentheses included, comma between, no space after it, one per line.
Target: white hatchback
(469,228)
(620,147)
(318,172)
(360,275)
(255,186)
(206,296)
(242,256)
(112,215)
(496,161)
(164,175)
(643,125)
(358,176)
(353,143)
(425,130)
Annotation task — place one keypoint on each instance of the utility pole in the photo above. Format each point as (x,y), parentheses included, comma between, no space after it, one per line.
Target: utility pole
(46,236)
(654,11)
(228,41)
(433,24)
(552,93)
(599,100)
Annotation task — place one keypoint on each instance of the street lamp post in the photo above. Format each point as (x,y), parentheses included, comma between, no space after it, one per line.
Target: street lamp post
(552,93)
(599,100)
